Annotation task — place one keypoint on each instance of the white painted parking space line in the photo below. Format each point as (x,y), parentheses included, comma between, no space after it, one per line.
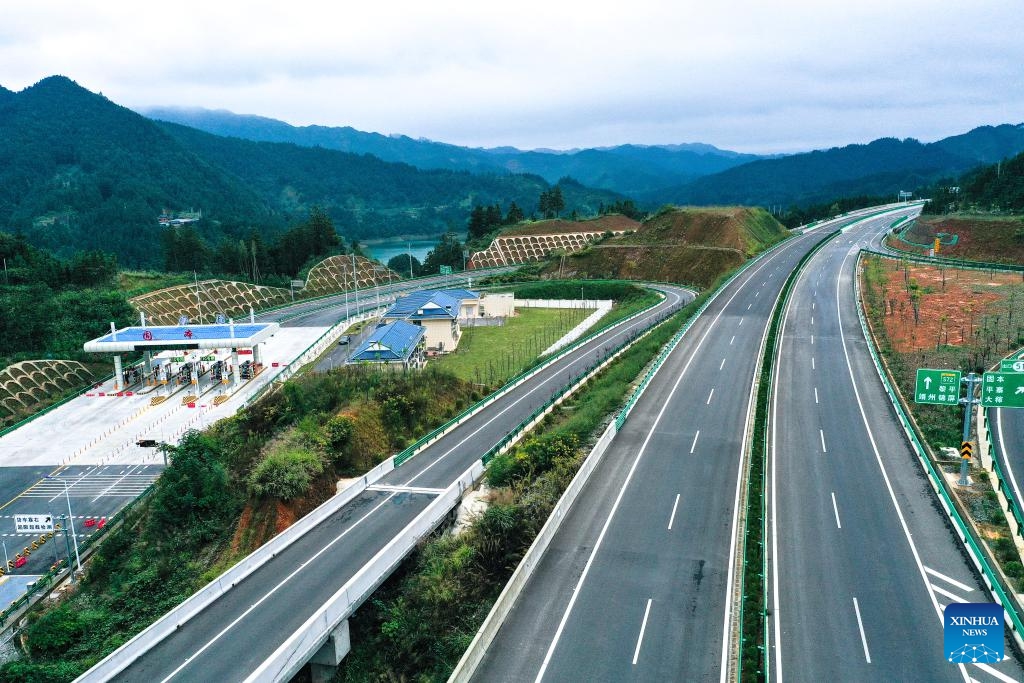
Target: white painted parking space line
(672,517)
(860,625)
(643,627)
(835,509)
(708,402)
(694,444)
(948,580)
(821,433)
(942,591)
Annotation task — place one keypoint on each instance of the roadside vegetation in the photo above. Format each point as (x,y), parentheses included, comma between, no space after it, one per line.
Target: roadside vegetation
(227,491)
(925,316)
(419,623)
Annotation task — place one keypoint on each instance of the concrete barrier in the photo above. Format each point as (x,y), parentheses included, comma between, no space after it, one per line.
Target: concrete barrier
(116,661)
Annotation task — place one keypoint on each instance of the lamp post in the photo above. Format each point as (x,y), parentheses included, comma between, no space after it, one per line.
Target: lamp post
(71,523)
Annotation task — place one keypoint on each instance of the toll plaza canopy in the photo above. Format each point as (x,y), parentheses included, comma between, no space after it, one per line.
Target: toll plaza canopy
(155,337)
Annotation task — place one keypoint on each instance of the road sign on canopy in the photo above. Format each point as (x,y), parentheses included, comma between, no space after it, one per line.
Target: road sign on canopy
(1012,365)
(940,387)
(1002,390)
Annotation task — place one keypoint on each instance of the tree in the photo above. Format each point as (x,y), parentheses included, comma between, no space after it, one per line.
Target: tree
(551,202)
(448,252)
(514,215)
(406,264)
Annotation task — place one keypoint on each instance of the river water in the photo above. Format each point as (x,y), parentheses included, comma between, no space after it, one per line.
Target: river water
(384,251)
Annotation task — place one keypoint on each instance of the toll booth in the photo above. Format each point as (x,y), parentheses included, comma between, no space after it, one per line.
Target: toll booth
(194,349)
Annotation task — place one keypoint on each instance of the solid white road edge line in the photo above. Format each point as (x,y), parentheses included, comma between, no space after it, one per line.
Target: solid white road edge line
(632,470)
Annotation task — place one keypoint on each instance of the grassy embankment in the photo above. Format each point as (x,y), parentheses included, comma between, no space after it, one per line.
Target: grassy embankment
(689,246)
(940,317)
(992,239)
(421,620)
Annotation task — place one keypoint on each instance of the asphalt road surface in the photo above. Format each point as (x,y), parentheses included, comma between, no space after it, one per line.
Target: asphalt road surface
(242,628)
(862,559)
(95,493)
(636,583)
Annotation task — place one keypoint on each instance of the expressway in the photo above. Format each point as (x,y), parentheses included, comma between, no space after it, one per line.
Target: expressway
(1008,438)
(241,629)
(638,581)
(862,559)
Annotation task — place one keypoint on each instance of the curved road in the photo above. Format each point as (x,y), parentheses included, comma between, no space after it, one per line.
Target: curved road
(862,559)
(235,634)
(637,582)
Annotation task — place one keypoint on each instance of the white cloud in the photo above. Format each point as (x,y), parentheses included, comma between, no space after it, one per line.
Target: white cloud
(748,75)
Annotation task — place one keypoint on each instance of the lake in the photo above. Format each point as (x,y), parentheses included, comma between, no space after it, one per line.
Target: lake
(384,251)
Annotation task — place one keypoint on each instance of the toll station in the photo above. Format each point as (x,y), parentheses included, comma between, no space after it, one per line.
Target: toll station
(177,355)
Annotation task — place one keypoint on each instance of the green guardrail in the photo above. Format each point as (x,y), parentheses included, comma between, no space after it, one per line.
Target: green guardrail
(1013,505)
(404,456)
(760,424)
(59,567)
(993,578)
(964,264)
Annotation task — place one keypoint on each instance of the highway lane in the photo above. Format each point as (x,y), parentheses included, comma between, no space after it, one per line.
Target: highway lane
(1008,438)
(636,582)
(862,559)
(242,628)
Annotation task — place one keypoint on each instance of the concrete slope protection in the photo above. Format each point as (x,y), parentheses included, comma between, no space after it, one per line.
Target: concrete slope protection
(862,560)
(235,634)
(637,583)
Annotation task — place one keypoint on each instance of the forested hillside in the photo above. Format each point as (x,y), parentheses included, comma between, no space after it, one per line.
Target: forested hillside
(80,172)
(624,168)
(882,167)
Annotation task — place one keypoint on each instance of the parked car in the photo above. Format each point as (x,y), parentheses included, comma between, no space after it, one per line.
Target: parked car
(344,340)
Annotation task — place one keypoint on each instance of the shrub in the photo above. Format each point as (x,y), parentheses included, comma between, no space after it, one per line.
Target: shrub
(285,474)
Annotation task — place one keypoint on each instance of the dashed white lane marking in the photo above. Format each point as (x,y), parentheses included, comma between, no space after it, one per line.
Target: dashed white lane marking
(835,509)
(812,362)
(643,627)
(722,364)
(672,517)
(821,432)
(694,444)
(708,402)
(815,394)
(732,340)
(860,625)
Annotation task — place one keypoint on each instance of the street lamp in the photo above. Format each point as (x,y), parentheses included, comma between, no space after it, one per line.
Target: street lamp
(71,523)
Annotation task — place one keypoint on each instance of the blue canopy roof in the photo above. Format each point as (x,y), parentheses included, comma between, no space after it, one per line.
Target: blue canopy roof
(430,304)
(395,341)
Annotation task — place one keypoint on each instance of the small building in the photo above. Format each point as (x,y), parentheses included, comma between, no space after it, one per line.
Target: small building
(497,305)
(437,312)
(399,344)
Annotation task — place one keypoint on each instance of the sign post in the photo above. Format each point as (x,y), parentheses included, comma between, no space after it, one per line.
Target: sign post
(965,445)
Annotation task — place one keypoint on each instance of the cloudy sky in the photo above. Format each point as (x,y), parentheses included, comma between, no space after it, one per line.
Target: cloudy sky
(752,76)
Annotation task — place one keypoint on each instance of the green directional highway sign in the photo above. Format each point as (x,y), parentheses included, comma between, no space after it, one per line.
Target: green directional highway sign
(1012,365)
(1002,390)
(446,270)
(941,387)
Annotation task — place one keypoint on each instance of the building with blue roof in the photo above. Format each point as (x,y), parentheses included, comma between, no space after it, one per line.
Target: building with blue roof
(398,343)
(438,312)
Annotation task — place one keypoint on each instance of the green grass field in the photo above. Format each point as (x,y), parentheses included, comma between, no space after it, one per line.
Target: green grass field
(491,355)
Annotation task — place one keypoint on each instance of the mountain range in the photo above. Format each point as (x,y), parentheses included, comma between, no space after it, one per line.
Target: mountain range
(626,169)
(78,171)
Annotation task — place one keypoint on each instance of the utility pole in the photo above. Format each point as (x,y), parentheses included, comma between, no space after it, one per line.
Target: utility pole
(968,403)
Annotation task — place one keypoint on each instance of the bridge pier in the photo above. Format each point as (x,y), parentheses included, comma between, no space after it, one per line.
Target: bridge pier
(324,664)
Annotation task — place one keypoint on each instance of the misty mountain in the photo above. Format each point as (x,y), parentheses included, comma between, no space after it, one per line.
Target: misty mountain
(625,169)
(78,171)
(882,167)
